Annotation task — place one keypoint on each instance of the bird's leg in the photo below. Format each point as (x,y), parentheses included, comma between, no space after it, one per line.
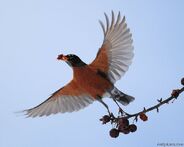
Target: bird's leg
(120,109)
(106,106)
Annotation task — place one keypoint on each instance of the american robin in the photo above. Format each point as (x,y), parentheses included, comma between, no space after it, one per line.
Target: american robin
(94,81)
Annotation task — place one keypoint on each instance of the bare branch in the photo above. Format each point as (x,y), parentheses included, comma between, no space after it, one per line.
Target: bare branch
(166,101)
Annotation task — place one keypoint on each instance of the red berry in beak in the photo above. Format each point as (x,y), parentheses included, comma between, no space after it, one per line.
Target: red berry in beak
(62,57)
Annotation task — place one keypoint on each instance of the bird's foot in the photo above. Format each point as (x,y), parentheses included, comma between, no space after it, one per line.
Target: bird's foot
(121,112)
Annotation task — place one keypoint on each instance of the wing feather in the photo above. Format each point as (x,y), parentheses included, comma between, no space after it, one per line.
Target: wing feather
(116,53)
(67,99)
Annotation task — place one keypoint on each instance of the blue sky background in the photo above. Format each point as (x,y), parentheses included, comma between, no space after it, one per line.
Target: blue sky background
(34,32)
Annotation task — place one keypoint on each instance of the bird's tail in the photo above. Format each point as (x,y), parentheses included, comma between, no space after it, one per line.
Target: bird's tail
(121,97)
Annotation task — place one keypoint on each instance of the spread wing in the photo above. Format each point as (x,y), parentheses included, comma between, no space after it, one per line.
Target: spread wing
(116,53)
(67,99)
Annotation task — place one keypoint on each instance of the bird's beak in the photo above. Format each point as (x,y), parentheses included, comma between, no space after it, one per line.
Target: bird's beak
(62,57)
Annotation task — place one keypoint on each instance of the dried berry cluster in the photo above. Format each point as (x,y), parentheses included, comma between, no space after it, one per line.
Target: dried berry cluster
(121,122)
(123,126)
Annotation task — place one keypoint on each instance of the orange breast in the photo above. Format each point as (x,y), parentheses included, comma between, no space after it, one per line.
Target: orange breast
(90,81)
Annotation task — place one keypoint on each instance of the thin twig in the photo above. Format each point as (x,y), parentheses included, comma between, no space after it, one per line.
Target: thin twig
(166,101)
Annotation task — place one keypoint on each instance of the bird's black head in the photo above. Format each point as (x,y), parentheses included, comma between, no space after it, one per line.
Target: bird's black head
(72,60)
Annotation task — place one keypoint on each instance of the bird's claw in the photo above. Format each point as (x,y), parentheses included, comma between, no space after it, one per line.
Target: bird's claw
(120,111)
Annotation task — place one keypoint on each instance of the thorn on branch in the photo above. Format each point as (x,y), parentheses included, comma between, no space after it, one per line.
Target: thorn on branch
(173,100)
(136,118)
(157,109)
(159,100)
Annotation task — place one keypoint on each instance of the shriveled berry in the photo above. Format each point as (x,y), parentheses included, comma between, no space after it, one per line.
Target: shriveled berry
(143,116)
(114,133)
(175,93)
(105,119)
(121,127)
(123,122)
(124,130)
(132,128)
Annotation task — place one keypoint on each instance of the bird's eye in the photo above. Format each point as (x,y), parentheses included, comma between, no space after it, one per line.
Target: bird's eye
(70,57)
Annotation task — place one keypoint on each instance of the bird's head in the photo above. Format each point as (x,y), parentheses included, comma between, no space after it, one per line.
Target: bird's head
(72,60)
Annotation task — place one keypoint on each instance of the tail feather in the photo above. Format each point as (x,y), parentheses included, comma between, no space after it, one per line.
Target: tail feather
(121,97)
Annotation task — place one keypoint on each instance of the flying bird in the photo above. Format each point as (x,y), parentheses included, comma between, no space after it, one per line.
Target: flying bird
(94,81)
